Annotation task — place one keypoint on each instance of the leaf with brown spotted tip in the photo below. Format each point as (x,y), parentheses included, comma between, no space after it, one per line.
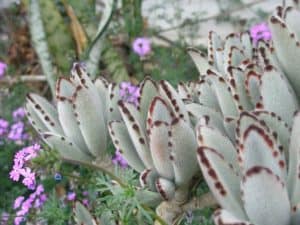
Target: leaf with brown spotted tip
(158,111)
(213,138)
(224,94)
(265,197)
(137,133)
(278,127)
(148,179)
(183,151)
(230,124)
(165,187)
(112,108)
(160,149)
(292,18)
(259,148)
(235,57)
(247,44)
(294,162)
(82,215)
(287,50)
(207,96)
(295,214)
(66,148)
(237,82)
(45,111)
(184,91)
(148,90)
(102,87)
(224,217)
(200,60)
(277,95)
(122,141)
(69,124)
(64,88)
(88,111)
(252,82)
(266,54)
(214,43)
(222,180)
(34,118)
(214,118)
(174,101)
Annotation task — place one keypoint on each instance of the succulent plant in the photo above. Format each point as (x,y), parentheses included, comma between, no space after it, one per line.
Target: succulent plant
(77,125)
(245,101)
(157,140)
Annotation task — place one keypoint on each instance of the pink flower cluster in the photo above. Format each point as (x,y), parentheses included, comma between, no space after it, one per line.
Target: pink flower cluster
(3,68)
(260,31)
(119,160)
(35,200)
(16,131)
(129,93)
(141,46)
(20,169)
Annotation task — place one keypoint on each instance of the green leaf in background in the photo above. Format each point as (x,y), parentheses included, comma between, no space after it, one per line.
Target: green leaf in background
(40,42)
(94,52)
(58,35)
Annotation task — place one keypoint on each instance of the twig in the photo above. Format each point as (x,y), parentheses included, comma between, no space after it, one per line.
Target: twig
(23,78)
(205,200)
(190,23)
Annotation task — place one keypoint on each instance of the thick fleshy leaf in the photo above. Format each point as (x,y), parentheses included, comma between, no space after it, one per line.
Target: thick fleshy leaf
(224,94)
(148,198)
(69,124)
(183,147)
(113,97)
(214,43)
(258,147)
(287,49)
(265,197)
(278,127)
(212,138)
(295,214)
(235,57)
(136,131)
(66,148)
(158,111)
(64,88)
(165,187)
(45,111)
(88,111)
(148,179)
(123,143)
(247,44)
(82,215)
(34,118)
(207,96)
(200,60)
(224,217)
(266,54)
(292,18)
(172,98)
(237,82)
(160,149)
(252,86)
(294,162)
(277,95)
(230,124)
(102,87)
(148,90)
(223,181)
(214,118)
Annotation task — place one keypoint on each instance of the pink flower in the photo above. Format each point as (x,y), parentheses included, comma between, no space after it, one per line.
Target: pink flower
(18,220)
(85,202)
(15,174)
(142,46)
(18,201)
(3,68)
(29,178)
(119,160)
(18,114)
(129,93)
(260,32)
(71,196)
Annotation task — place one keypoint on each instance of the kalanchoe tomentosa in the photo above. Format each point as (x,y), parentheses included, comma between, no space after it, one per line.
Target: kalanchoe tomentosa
(251,159)
(77,127)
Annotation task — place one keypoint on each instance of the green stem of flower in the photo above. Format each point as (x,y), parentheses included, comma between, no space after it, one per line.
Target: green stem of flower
(155,216)
(97,167)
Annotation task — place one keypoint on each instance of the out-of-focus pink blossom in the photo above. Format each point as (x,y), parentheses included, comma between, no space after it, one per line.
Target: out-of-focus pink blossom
(118,159)
(260,31)
(18,114)
(18,202)
(142,46)
(3,68)
(71,196)
(129,93)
